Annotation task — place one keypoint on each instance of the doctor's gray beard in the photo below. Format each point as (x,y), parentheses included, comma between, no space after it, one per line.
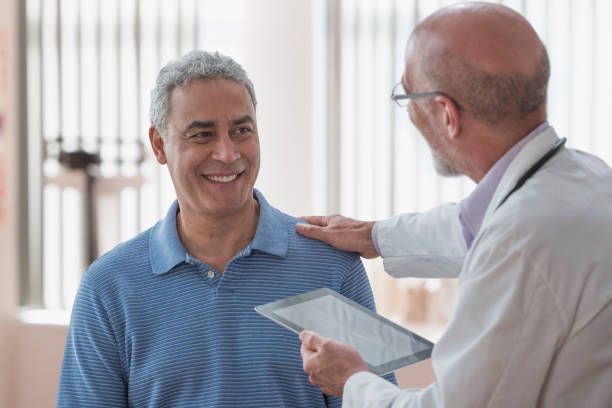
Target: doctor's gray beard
(442,167)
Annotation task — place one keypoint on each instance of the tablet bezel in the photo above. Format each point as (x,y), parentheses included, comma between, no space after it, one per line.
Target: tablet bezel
(268,310)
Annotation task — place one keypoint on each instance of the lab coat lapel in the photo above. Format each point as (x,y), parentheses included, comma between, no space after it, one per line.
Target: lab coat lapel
(526,158)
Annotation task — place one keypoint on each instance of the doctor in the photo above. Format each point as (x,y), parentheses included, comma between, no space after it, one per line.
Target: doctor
(531,246)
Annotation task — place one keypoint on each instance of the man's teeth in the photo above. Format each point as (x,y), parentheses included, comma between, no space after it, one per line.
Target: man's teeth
(222,179)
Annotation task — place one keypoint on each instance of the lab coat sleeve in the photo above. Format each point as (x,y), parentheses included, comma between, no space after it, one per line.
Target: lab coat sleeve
(92,372)
(499,344)
(423,245)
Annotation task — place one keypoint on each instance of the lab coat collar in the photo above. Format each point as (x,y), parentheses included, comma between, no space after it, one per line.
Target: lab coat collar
(527,157)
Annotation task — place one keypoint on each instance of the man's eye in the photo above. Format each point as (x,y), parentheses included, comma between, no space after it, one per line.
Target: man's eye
(243,129)
(200,136)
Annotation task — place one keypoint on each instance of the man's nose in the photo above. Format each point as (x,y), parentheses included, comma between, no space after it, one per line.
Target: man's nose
(225,149)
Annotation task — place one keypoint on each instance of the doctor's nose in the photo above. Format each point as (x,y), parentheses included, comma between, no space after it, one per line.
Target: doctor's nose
(225,150)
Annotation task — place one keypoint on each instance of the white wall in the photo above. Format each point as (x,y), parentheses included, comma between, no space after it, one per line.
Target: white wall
(278,60)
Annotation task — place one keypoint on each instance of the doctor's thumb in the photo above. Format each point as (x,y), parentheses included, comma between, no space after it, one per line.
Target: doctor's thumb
(310,340)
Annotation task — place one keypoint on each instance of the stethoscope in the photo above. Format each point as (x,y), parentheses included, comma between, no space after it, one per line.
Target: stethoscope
(549,154)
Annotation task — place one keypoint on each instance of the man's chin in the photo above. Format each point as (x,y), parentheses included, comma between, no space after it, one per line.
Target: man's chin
(443,168)
(227,205)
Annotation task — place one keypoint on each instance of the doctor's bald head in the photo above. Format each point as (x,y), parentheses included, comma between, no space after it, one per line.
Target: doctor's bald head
(486,56)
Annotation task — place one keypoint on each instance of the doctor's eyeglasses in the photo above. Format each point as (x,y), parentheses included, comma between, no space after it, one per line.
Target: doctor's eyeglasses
(401,98)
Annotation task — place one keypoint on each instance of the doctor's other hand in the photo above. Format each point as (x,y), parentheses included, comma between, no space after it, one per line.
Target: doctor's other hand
(344,233)
(329,363)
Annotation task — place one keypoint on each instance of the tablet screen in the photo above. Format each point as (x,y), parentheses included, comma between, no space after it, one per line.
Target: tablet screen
(382,344)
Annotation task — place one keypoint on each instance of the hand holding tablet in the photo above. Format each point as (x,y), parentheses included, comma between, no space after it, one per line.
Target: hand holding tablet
(384,345)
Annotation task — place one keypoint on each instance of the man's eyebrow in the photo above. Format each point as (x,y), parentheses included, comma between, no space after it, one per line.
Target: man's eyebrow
(198,124)
(243,119)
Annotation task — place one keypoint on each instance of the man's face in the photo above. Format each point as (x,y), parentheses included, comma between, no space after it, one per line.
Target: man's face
(211,147)
(422,115)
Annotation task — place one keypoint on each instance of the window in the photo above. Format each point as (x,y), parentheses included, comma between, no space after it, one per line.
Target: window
(381,165)
(92,182)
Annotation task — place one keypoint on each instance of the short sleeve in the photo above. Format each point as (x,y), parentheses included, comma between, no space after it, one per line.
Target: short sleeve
(92,373)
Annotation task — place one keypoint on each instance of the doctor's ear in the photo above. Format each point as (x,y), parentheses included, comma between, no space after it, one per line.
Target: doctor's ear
(157,144)
(451,116)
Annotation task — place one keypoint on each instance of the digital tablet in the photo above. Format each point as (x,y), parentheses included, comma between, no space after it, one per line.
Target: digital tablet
(383,345)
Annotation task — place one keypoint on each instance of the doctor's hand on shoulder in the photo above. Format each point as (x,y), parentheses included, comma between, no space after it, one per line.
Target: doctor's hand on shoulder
(343,233)
(329,363)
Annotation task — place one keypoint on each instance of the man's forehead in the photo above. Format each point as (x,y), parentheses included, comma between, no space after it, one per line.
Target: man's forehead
(211,100)
(407,76)
(211,88)
(418,52)
(411,56)
(213,122)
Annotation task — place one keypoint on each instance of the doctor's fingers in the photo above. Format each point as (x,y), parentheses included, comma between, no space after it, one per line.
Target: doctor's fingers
(319,220)
(314,380)
(335,222)
(314,232)
(311,340)
(343,233)
(307,355)
(311,364)
(337,236)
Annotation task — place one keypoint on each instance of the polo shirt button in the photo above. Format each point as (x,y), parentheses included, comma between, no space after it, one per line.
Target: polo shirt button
(211,274)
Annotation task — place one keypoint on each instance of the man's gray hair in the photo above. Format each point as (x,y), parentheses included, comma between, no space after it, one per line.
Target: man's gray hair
(190,67)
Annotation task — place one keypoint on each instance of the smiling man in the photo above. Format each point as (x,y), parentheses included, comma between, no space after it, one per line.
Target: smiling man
(167,318)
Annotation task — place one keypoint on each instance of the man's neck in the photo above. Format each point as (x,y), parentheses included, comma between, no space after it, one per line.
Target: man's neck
(216,240)
(492,144)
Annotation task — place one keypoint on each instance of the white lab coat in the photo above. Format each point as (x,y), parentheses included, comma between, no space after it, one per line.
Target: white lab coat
(533,321)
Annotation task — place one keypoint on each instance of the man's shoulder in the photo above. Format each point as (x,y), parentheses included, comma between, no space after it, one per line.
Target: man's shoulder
(301,246)
(125,259)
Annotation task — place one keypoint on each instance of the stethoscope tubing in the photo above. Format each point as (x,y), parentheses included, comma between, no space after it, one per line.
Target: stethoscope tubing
(533,169)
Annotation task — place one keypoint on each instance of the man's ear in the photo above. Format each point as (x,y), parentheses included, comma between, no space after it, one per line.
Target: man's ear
(157,144)
(451,116)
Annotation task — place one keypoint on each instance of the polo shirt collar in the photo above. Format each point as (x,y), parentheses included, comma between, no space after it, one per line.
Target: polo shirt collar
(165,247)
(272,234)
(166,250)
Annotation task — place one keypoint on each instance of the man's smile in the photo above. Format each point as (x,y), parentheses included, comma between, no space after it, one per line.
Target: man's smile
(228,178)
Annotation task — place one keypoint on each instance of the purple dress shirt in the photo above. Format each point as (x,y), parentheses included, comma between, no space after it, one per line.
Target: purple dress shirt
(473,208)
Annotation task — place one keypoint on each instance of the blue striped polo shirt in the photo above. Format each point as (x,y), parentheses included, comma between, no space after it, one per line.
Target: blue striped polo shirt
(152,326)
